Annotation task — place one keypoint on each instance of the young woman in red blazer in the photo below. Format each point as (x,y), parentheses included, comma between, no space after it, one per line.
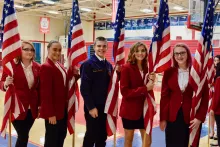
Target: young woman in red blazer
(26,82)
(216,102)
(53,95)
(134,92)
(176,100)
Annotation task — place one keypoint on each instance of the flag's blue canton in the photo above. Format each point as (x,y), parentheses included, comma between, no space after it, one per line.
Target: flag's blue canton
(207,31)
(163,21)
(7,10)
(120,21)
(75,20)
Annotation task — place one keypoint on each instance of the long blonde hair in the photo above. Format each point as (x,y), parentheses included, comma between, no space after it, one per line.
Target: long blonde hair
(131,58)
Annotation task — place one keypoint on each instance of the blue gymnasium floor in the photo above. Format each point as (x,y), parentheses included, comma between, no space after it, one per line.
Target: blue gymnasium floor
(158,139)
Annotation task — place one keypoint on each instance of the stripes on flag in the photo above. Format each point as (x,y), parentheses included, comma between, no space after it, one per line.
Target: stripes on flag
(210,77)
(198,73)
(111,106)
(159,59)
(11,48)
(76,54)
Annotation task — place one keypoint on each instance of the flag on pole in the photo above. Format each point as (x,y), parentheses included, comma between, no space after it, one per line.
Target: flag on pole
(210,77)
(114,9)
(11,48)
(159,59)
(76,54)
(198,73)
(111,107)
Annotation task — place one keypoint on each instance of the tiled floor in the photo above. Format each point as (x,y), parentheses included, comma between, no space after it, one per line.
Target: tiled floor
(38,130)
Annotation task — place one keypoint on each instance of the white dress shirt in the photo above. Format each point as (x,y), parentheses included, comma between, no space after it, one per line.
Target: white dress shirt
(28,74)
(100,59)
(183,78)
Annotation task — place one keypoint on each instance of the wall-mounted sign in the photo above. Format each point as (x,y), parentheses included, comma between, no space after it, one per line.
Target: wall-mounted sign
(45,25)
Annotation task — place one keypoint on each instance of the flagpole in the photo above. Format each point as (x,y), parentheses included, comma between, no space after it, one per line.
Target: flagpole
(9,135)
(115,139)
(144,140)
(209,130)
(73,141)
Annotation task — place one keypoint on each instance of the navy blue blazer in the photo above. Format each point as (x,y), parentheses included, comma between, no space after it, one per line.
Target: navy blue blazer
(95,78)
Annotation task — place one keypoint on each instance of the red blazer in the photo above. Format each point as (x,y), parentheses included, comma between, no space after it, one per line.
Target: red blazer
(216,98)
(172,99)
(53,93)
(133,91)
(28,97)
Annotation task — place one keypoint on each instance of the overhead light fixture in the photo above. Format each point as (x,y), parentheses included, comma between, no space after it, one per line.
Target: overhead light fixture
(85,9)
(146,10)
(178,8)
(48,2)
(53,12)
(18,6)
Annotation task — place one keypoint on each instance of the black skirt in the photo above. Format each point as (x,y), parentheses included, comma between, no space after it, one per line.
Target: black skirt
(133,124)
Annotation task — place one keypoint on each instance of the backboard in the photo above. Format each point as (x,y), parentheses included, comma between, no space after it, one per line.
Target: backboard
(196,14)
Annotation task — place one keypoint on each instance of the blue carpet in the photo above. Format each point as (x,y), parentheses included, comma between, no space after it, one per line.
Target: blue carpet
(158,138)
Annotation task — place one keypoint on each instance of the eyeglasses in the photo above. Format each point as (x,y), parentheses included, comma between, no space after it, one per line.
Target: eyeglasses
(176,54)
(28,49)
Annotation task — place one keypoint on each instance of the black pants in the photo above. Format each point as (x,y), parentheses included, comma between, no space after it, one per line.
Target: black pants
(95,129)
(177,132)
(22,128)
(217,119)
(55,134)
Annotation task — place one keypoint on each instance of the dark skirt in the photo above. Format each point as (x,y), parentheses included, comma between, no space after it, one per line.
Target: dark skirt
(133,124)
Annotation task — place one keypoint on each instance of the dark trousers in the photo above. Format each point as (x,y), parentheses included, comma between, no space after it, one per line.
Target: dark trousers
(95,129)
(55,134)
(217,119)
(22,128)
(178,132)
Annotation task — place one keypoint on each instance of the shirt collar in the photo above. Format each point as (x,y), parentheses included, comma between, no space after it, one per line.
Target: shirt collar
(100,59)
(183,70)
(29,66)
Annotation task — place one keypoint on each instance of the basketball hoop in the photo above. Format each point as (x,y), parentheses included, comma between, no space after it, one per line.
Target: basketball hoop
(196,14)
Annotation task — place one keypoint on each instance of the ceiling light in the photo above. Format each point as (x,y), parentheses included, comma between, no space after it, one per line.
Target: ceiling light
(178,8)
(146,10)
(53,12)
(85,9)
(48,2)
(18,6)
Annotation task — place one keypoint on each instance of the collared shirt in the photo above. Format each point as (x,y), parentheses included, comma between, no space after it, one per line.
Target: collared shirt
(100,59)
(28,74)
(183,78)
(62,71)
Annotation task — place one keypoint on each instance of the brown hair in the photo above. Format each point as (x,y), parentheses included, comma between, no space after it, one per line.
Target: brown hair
(18,59)
(189,58)
(133,49)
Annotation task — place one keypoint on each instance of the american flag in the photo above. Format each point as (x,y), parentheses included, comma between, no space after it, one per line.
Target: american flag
(76,53)
(11,48)
(159,59)
(114,9)
(111,107)
(198,74)
(210,77)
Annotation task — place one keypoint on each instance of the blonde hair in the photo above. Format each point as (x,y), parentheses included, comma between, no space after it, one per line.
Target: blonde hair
(18,59)
(133,49)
